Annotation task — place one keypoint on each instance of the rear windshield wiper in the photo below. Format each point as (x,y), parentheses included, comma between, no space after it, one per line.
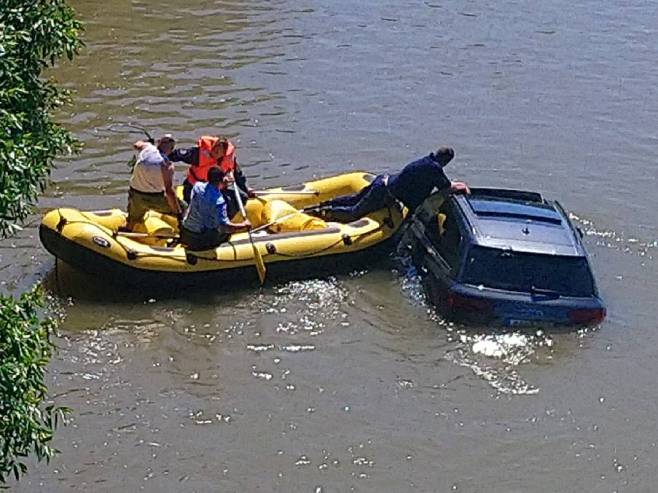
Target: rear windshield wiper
(534,291)
(507,253)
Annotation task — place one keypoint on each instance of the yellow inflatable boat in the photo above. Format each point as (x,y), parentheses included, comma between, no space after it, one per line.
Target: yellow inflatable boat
(291,243)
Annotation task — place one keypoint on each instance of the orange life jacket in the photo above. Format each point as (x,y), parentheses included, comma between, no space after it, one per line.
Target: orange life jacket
(206,161)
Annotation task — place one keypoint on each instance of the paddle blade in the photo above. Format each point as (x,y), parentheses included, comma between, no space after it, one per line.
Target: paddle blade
(260,264)
(258,258)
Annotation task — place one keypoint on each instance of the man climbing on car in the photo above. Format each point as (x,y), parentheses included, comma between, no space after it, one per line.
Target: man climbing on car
(410,186)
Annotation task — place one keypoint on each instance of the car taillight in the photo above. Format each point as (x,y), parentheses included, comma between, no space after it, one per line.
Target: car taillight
(465,303)
(587,316)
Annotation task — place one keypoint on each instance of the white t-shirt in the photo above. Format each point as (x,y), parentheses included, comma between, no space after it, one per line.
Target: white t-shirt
(147,173)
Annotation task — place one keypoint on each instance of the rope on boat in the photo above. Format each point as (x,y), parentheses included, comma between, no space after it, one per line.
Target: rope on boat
(132,254)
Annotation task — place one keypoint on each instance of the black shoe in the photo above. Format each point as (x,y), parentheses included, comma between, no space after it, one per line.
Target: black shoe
(321,211)
(314,210)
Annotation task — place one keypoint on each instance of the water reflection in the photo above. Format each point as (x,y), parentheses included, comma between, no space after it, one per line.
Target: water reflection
(355,382)
(171,68)
(616,240)
(494,354)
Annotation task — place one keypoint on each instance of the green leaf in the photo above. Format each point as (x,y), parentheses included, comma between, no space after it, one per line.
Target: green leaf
(33,36)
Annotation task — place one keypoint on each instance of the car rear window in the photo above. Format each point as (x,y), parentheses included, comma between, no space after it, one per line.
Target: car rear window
(528,272)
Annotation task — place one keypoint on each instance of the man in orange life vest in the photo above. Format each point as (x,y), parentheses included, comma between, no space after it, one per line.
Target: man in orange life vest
(208,153)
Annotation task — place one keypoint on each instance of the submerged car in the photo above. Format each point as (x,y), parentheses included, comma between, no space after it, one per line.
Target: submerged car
(504,256)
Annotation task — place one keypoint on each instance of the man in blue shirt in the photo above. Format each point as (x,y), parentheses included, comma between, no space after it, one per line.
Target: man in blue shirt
(410,186)
(206,224)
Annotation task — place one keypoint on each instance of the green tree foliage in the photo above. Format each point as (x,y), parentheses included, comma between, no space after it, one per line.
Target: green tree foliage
(26,427)
(34,34)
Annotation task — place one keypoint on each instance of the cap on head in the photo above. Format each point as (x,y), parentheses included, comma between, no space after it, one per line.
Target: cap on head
(166,143)
(167,139)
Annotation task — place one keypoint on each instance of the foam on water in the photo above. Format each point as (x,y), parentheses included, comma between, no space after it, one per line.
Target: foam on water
(617,240)
(321,89)
(490,355)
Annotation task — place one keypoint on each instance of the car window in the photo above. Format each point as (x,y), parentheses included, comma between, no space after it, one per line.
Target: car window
(443,232)
(517,271)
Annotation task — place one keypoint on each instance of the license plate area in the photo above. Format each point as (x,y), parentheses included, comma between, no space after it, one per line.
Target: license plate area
(518,322)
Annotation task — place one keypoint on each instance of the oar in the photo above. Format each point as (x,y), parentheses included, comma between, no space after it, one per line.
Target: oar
(301,192)
(265,226)
(258,258)
(128,234)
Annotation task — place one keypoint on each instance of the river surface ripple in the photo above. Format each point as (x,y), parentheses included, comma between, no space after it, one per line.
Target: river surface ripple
(353,383)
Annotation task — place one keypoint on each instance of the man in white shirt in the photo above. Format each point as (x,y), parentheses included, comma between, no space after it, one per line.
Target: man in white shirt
(152,181)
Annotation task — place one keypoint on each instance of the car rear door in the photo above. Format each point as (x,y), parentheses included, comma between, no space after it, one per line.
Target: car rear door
(440,243)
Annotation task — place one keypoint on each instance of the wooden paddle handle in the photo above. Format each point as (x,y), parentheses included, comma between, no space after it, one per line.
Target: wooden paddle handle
(272,192)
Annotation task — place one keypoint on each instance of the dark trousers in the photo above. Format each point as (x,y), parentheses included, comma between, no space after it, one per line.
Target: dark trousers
(232,207)
(207,240)
(349,208)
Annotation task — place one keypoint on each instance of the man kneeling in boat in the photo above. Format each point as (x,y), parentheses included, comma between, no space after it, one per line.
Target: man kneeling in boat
(206,224)
(151,182)
(410,186)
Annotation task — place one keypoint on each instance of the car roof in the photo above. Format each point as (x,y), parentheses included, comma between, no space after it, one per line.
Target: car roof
(519,220)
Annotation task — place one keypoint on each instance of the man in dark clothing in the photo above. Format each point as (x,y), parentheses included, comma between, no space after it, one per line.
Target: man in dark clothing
(410,186)
(213,151)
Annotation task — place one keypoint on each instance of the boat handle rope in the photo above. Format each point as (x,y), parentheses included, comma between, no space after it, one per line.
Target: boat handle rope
(132,254)
(346,239)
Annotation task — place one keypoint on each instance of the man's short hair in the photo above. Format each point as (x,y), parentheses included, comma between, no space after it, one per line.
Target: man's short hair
(215,175)
(444,155)
(221,142)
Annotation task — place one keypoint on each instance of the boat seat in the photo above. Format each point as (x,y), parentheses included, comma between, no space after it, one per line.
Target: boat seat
(157,226)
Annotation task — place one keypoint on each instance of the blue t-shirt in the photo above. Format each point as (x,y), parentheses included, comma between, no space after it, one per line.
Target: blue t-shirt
(207,210)
(416,181)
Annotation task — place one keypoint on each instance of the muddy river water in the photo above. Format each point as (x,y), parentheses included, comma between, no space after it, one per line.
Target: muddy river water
(352,383)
